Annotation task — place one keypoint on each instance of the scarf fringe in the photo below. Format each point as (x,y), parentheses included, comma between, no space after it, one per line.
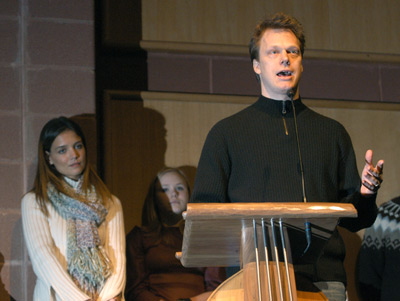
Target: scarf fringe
(88,263)
(90,267)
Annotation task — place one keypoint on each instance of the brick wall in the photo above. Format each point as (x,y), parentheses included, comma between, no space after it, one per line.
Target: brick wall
(233,75)
(46,70)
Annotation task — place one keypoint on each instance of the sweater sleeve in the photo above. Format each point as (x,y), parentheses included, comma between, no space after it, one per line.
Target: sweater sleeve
(42,252)
(349,189)
(366,212)
(213,277)
(212,175)
(136,286)
(115,247)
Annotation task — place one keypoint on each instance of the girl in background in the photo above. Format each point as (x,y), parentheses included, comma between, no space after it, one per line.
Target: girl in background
(153,272)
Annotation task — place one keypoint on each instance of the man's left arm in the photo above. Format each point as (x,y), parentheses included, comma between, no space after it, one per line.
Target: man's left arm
(364,200)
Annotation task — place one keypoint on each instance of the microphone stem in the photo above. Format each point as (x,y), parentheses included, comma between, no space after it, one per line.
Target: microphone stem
(298,149)
(307,224)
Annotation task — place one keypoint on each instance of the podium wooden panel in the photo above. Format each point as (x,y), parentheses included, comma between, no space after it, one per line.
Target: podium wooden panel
(212,235)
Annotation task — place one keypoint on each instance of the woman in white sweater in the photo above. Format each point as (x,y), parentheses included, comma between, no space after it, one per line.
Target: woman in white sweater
(73,226)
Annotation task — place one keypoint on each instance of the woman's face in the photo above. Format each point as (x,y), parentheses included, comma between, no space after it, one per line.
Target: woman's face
(173,195)
(68,155)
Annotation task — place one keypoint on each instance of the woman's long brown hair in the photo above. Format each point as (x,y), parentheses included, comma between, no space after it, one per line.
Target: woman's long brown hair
(46,173)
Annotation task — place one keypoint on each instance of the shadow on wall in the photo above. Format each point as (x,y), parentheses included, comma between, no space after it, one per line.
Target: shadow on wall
(134,150)
(353,245)
(22,278)
(134,146)
(4,295)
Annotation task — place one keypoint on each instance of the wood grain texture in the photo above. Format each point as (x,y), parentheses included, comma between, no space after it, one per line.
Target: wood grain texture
(221,211)
(232,290)
(213,231)
(356,29)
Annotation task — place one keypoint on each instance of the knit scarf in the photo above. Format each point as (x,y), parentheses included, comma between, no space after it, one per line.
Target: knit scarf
(88,263)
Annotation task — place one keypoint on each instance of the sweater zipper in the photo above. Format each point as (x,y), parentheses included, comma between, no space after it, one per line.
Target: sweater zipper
(284,124)
(283,118)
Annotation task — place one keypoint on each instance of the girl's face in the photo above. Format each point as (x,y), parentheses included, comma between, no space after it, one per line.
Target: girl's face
(173,195)
(68,155)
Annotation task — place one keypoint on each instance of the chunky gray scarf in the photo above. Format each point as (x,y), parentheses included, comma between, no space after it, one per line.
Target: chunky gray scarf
(88,263)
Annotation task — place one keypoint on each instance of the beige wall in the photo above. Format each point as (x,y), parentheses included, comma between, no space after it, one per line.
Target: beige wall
(358,29)
(46,70)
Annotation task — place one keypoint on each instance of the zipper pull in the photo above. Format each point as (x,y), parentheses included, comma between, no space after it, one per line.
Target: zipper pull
(283,107)
(284,124)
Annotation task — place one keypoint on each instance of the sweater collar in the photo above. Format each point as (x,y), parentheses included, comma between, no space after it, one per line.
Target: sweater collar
(279,107)
(76,185)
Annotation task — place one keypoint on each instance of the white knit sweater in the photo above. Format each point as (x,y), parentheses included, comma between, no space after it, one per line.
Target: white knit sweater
(46,241)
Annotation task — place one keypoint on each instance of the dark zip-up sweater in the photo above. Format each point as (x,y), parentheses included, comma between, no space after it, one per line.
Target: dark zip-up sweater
(252,156)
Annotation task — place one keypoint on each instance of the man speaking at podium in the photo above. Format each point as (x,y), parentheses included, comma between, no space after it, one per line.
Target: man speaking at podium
(279,150)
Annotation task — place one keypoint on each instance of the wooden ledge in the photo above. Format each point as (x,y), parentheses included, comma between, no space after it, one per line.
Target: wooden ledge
(243,50)
(210,211)
(243,99)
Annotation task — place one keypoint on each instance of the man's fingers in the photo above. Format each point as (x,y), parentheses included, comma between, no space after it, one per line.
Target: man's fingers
(374,171)
(368,156)
(379,166)
(372,175)
(371,187)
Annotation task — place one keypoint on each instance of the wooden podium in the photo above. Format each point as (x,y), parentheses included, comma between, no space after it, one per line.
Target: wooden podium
(257,237)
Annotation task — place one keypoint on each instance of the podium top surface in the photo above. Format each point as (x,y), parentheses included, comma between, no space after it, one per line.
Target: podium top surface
(212,211)
(212,235)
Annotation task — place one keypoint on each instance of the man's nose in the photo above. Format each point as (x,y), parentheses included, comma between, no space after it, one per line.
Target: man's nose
(285,58)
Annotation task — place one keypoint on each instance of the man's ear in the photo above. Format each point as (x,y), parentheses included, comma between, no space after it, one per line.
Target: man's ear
(256,66)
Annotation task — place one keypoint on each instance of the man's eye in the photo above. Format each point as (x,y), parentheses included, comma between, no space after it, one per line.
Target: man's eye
(79,146)
(273,53)
(61,151)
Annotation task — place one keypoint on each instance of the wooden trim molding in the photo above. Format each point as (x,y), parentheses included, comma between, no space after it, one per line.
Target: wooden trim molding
(242,50)
(235,99)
